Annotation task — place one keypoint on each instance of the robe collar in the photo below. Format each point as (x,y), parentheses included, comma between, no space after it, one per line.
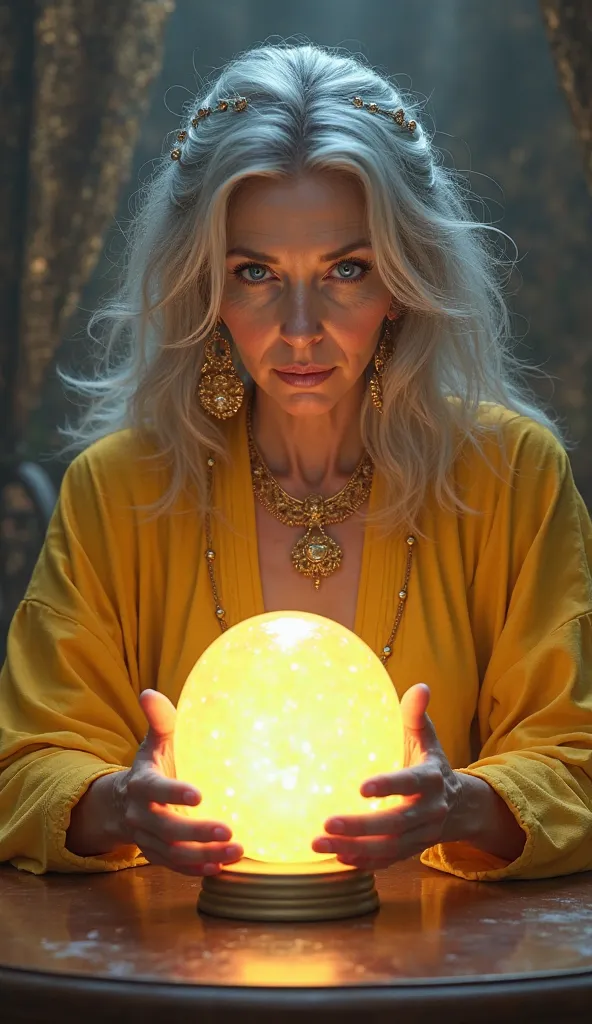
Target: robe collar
(237,552)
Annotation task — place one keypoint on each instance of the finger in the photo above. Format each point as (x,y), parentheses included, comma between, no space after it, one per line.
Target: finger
(194,872)
(414,704)
(372,854)
(423,779)
(188,854)
(160,713)
(391,822)
(171,827)
(415,719)
(146,786)
(356,847)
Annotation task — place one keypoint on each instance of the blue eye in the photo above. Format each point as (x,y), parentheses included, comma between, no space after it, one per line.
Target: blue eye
(238,271)
(259,269)
(360,265)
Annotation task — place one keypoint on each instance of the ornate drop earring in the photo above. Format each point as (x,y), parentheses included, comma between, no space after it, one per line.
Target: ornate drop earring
(384,351)
(221,391)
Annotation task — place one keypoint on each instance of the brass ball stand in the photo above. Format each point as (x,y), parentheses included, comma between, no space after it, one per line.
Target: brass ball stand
(323,891)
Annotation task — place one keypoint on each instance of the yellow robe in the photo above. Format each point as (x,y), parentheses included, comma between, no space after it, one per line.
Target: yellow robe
(498,623)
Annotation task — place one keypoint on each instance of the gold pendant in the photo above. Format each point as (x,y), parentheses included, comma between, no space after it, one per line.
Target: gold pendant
(316,554)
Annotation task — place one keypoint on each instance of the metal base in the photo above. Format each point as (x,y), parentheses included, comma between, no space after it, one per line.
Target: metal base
(254,891)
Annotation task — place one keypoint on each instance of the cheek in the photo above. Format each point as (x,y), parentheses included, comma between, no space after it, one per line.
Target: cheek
(254,345)
(359,335)
(246,314)
(357,320)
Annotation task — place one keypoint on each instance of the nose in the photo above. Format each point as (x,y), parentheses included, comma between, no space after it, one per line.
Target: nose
(301,325)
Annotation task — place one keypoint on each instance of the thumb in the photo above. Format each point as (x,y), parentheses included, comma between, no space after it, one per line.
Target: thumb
(414,705)
(161,716)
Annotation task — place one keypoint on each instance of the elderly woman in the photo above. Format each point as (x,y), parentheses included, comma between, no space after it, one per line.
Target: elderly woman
(308,403)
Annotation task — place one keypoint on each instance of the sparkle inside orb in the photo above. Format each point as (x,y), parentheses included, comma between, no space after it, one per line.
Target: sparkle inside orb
(279,723)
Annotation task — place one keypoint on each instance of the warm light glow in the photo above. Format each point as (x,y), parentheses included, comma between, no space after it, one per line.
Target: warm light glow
(279,722)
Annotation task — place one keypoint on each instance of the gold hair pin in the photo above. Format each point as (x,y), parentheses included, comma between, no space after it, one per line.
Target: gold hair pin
(398,116)
(241,103)
(238,104)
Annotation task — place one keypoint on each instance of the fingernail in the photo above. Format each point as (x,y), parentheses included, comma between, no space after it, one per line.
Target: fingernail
(221,834)
(324,846)
(371,789)
(232,852)
(210,869)
(190,796)
(336,825)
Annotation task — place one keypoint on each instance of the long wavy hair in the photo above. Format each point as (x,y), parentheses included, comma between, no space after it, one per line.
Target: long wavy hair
(444,267)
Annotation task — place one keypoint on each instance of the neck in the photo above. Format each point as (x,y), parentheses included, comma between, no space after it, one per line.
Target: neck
(309,453)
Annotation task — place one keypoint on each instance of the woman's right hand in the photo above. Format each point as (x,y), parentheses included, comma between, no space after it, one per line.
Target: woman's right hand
(143,795)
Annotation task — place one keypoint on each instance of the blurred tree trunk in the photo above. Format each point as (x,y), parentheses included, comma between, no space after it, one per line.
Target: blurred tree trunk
(16,83)
(569,28)
(74,80)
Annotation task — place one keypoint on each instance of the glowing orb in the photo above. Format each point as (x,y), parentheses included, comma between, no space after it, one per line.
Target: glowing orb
(279,723)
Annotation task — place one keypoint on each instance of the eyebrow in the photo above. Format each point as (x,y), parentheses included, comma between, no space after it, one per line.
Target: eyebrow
(361,243)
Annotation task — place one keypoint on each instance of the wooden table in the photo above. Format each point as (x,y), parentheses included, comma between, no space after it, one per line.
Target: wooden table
(130,947)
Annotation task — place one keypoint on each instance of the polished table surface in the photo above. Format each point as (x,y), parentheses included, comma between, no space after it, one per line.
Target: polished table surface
(130,945)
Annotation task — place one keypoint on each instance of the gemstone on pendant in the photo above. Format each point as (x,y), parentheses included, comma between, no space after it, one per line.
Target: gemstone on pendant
(316,551)
(316,555)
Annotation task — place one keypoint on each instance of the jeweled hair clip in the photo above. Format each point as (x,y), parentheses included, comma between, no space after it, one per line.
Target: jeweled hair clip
(398,116)
(239,104)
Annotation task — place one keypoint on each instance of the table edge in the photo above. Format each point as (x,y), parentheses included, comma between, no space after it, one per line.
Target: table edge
(18,982)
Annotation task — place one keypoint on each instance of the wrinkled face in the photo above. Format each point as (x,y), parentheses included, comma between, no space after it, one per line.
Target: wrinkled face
(303,300)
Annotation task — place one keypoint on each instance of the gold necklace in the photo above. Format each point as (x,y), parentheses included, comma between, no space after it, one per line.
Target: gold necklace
(316,554)
(210,555)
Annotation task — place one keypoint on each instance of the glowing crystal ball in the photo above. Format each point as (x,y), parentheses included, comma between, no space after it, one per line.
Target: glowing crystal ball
(279,723)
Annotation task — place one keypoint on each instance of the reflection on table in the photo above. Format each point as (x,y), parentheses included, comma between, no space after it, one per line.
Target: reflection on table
(142,924)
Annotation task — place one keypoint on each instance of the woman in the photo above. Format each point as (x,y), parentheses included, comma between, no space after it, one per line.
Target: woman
(382,467)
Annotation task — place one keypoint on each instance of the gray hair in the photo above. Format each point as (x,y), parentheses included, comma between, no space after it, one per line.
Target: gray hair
(453,344)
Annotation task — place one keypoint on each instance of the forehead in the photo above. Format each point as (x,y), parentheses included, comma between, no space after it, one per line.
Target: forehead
(314,209)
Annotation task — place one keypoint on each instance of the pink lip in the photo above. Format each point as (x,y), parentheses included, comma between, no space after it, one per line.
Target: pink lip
(304,368)
(304,377)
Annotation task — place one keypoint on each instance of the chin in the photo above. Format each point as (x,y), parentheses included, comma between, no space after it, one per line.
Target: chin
(308,403)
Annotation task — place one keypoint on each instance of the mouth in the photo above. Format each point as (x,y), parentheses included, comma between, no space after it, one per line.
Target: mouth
(304,376)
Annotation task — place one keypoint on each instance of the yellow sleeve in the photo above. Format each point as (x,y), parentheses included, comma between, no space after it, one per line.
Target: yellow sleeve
(69,709)
(531,603)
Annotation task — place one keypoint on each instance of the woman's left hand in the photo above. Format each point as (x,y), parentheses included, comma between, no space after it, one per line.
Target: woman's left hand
(430,813)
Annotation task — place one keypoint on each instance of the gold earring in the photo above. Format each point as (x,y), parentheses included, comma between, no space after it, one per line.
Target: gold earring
(221,391)
(381,358)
